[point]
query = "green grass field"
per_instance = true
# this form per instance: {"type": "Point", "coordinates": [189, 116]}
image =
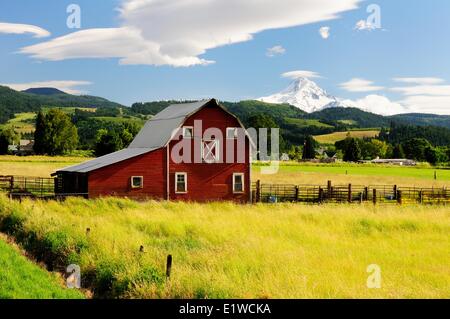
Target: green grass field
{"type": "Point", "coordinates": [288, 173]}
{"type": "Point", "coordinates": [22, 123]}
{"type": "Point", "coordinates": [222, 250]}
{"type": "Point", "coordinates": [339, 136]}
{"type": "Point", "coordinates": [22, 279]}
{"type": "Point", "coordinates": [357, 174]}
{"type": "Point", "coordinates": [307, 122]}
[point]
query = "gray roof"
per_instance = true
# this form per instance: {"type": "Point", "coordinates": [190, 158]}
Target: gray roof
{"type": "Point", "coordinates": [107, 160]}
{"type": "Point", "coordinates": [158, 131]}
{"type": "Point", "coordinates": [155, 134]}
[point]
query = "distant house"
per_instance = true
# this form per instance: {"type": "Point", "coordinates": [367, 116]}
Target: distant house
{"type": "Point", "coordinates": [25, 147]}
{"type": "Point", "coordinates": [218, 168]}
{"type": "Point", "coordinates": [400, 162]}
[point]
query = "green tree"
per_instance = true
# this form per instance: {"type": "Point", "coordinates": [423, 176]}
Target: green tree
{"type": "Point", "coordinates": [398, 152]}
{"type": "Point", "coordinates": [39, 134]}
{"type": "Point", "coordinates": [415, 149]}
{"type": "Point", "coordinates": [309, 151]}
{"type": "Point", "coordinates": [107, 143]}
{"type": "Point", "coordinates": [352, 153]}
{"type": "Point", "coordinates": [55, 133]}
{"type": "Point", "coordinates": [7, 137]}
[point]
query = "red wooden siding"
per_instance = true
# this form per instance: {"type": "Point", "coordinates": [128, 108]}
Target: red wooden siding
{"type": "Point", "coordinates": [115, 180]}
{"type": "Point", "coordinates": [208, 182]}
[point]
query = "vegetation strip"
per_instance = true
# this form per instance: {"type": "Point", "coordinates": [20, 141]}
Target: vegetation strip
{"type": "Point", "coordinates": [22, 279]}
{"type": "Point", "coordinates": [222, 250]}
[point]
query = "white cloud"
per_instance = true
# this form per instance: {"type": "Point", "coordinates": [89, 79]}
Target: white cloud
{"type": "Point", "coordinates": [362, 25]}
{"type": "Point", "coordinates": [178, 32]}
{"type": "Point", "coordinates": [301, 74]}
{"type": "Point", "coordinates": [421, 81]}
{"type": "Point", "coordinates": [15, 28]}
{"type": "Point", "coordinates": [276, 50]}
{"type": "Point", "coordinates": [428, 104]}
{"type": "Point", "coordinates": [433, 90]}
{"type": "Point", "coordinates": [377, 104]}
{"type": "Point", "coordinates": [65, 86]}
{"type": "Point", "coordinates": [360, 85]}
{"type": "Point", "coordinates": [424, 94]}
{"type": "Point", "coordinates": [324, 32]}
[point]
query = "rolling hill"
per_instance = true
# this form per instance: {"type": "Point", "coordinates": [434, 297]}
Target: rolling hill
{"type": "Point", "coordinates": [12, 102]}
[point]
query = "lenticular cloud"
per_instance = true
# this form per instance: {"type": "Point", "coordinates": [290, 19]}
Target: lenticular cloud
{"type": "Point", "coordinates": [179, 32]}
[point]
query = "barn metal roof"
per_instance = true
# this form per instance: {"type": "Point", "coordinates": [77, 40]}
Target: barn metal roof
{"type": "Point", "coordinates": [158, 131]}
{"type": "Point", "coordinates": [106, 160]}
{"type": "Point", "coordinates": [155, 134]}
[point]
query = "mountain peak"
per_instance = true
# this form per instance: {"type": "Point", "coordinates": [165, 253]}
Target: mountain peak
{"type": "Point", "coordinates": [304, 94]}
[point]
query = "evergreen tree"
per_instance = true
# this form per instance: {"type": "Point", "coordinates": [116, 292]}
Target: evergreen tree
{"type": "Point", "coordinates": [399, 153]}
{"type": "Point", "coordinates": [39, 134]}
{"type": "Point", "coordinates": [352, 153]}
{"type": "Point", "coordinates": [309, 151]}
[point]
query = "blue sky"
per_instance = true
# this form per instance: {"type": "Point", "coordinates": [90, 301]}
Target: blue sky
{"type": "Point", "coordinates": [405, 61]}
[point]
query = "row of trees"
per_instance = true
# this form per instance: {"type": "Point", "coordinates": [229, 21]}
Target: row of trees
{"type": "Point", "coordinates": [418, 149]}
{"type": "Point", "coordinates": [56, 135]}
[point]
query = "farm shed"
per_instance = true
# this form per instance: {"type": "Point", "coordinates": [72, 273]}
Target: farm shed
{"type": "Point", "coordinates": [147, 169]}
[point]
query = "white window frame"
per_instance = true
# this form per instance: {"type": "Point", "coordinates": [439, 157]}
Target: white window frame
{"type": "Point", "coordinates": [234, 183]}
{"type": "Point", "coordinates": [185, 183]}
{"type": "Point", "coordinates": [235, 135]}
{"type": "Point", "coordinates": [185, 128]}
{"type": "Point", "coordinates": [142, 182]}
{"type": "Point", "coordinates": [217, 147]}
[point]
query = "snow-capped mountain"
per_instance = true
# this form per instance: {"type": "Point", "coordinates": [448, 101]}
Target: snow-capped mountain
{"type": "Point", "coordinates": [309, 97]}
{"type": "Point", "coordinates": [304, 94]}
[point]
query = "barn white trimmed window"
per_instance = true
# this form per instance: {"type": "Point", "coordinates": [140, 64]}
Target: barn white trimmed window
{"type": "Point", "coordinates": [188, 132]}
{"type": "Point", "coordinates": [210, 151]}
{"type": "Point", "coordinates": [137, 182]}
{"type": "Point", "coordinates": [238, 183]}
{"type": "Point", "coordinates": [180, 183]}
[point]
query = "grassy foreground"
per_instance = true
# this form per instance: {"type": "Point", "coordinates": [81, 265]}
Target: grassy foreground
{"type": "Point", "coordinates": [221, 250]}
{"type": "Point", "coordinates": [21, 279]}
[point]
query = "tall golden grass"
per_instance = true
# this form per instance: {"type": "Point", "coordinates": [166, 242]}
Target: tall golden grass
{"type": "Point", "coordinates": [223, 250]}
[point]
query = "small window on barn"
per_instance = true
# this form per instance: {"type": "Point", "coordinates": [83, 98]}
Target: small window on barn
{"type": "Point", "coordinates": [232, 133]}
{"type": "Point", "coordinates": [188, 132]}
{"type": "Point", "coordinates": [180, 183]}
{"type": "Point", "coordinates": [238, 183]}
{"type": "Point", "coordinates": [137, 182]}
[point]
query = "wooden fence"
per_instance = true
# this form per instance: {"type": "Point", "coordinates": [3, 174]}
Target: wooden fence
{"type": "Point", "coordinates": [34, 187]}
{"type": "Point", "coordinates": [377, 194]}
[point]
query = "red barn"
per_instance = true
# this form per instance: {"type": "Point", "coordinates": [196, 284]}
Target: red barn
{"type": "Point", "coordinates": [191, 152]}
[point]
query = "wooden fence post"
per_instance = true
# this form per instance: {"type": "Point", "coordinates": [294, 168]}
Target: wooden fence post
{"type": "Point", "coordinates": [350, 198]}
{"type": "Point", "coordinates": [258, 191]}
{"type": "Point", "coordinates": [420, 197]}
{"type": "Point", "coordinates": [329, 189]}
{"type": "Point", "coordinates": [297, 193]}
{"type": "Point", "coordinates": [395, 192]}
{"type": "Point", "coordinates": [320, 194]}
{"type": "Point", "coordinates": [169, 266]}
{"type": "Point", "coordinates": [399, 197]}
{"type": "Point", "coordinates": [374, 197]}
{"type": "Point", "coordinates": [366, 193]}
